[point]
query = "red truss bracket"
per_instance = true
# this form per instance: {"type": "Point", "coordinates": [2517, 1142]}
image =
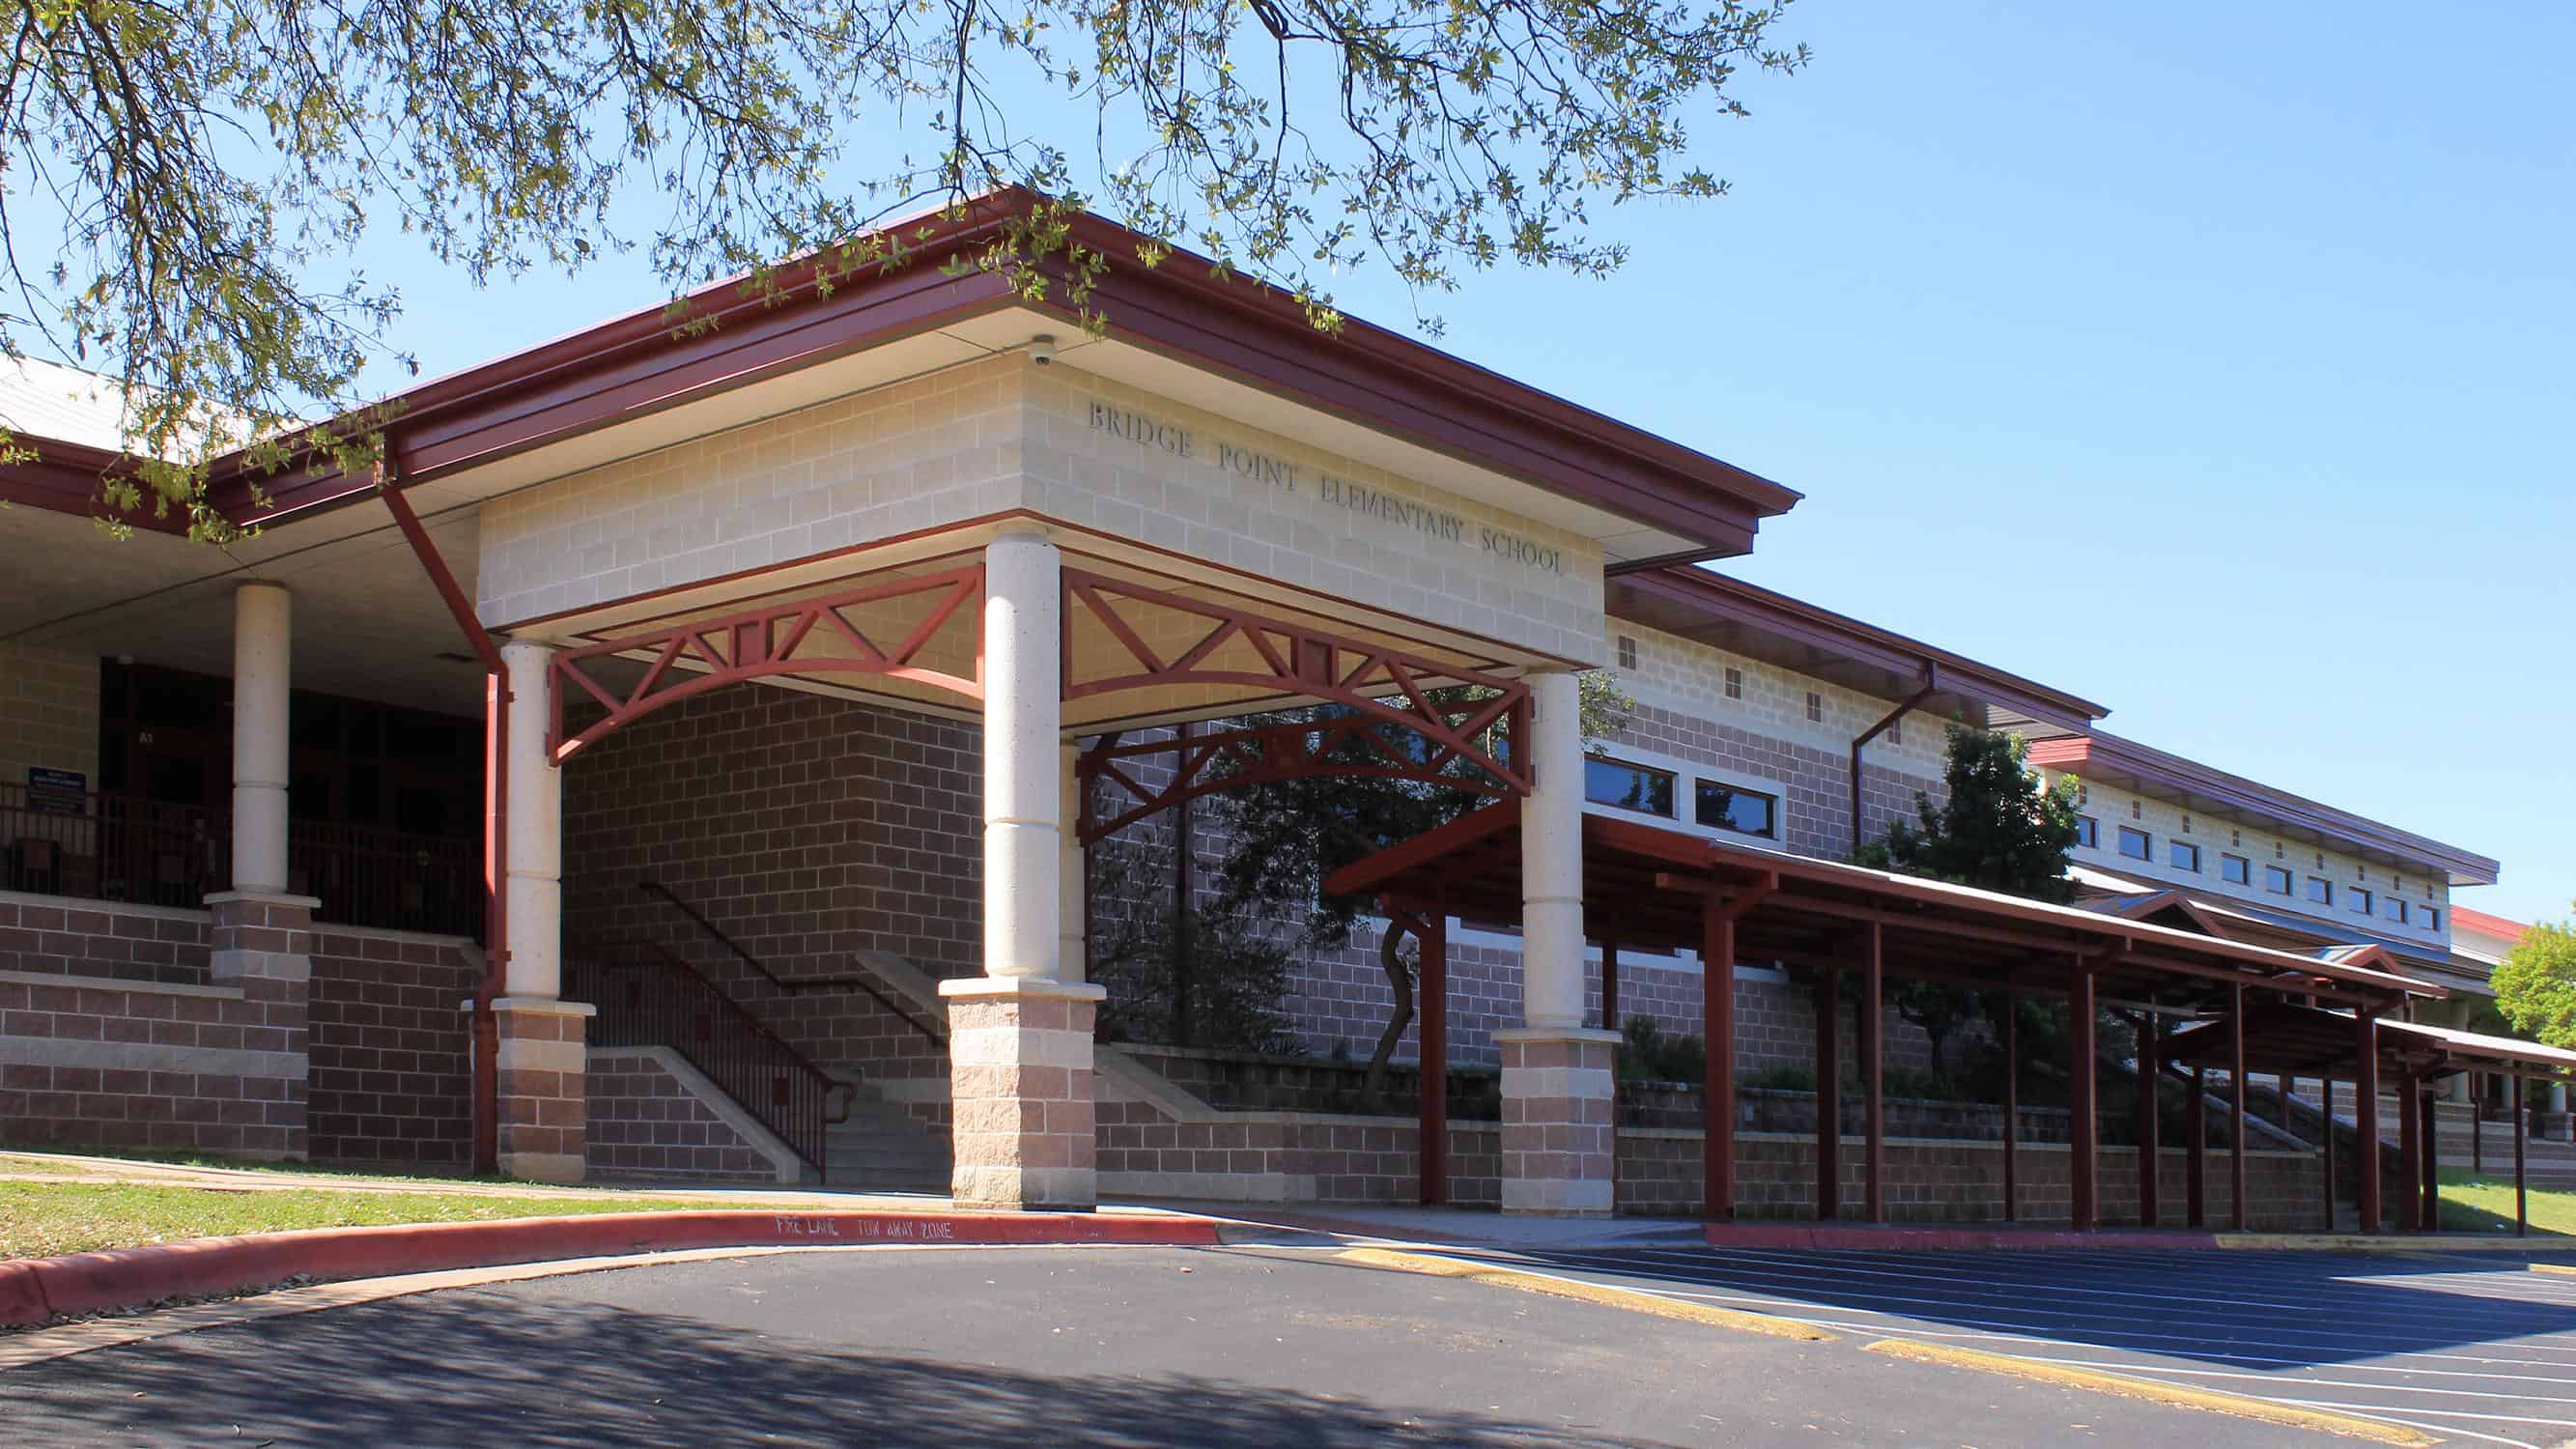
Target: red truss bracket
{"type": "Point", "coordinates": [809, 636]}
{"type": "Point", "coordinates": [1347, 747]}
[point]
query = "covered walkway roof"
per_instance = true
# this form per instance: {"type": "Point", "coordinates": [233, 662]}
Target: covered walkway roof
{"type": "Point", "coordinates": [2285, 1037]}
{"type": "Point", "coordinates": [1648, 886]}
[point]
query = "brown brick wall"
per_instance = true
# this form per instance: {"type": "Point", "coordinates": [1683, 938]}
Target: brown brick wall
{"type": "Point", "coordinates": [645, 1125]}
{"type": "Point", "coordinates": [107, 1105]}
{"type": "Point", "coordinates": [103, 938]}
{"type": "Point", "coordinates": [391, 1050]}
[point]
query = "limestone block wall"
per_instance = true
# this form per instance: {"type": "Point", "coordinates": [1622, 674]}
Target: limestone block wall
{"type": "Point", "coordinates": [90, 1061]}
{"type": "Point", "coordinates": [392, 1052]}
{"type": "Point", "coordinates": [56, 936]}
{"type": "Point", "coordinates": [646, 1124]}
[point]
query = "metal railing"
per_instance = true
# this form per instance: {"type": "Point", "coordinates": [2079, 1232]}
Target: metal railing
{"type": "Point", "coordinates": [113, 847]}
{"type": "Point", "coordinates": [648, 996]}
{"type": "Point", "coordinates": [791, 985]}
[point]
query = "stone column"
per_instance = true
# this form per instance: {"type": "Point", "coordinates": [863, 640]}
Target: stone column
{"type": "Point", "coordinates": [543, 1124]}
{"type": "Point", "coordinates": [1019, 1038]}
{"type": "Point", "coordinates": [1558, 1097]}
{"type": "Point", "coordinates": [263, 936]}
{"type": "Point", "coordinates": [261, 659]}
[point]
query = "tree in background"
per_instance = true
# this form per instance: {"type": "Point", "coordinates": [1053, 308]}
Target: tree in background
{"type": "Point", "coordinates": [1282, 838]}
{"type": "Point", "coordinates": [2535, 984]}
{"type": "Point", "coordinates": [2001, 829]}
{"type": "Point", "coordinates": [188, 179]}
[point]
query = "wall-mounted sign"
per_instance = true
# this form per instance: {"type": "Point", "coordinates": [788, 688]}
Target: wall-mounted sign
{"type": "Point", "coordinates": [57, 792]}
{"type": "Point", "coordinates": [1328, 491]}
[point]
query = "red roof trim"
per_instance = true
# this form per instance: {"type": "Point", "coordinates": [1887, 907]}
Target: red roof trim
{"type": "Point", "coordinates": [1185, 307]}
{"type": "Point", "coordinates": [2463, 918]}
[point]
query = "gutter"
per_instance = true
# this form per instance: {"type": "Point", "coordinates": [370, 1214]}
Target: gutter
{"type": "Point", "coordinates": [496, 838]}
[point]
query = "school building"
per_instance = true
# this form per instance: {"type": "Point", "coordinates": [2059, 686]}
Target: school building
{"type": "Point", "coordinates": [681, 760]}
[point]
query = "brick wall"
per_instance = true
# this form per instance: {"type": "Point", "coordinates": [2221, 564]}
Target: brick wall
{"type": "Point", "coordinates": [645, 1124]}
{"type": "Point", "coordinates": [48, 712]}
{"type": "Point", "coordinates": [392, 1053]}
{"type": "Point", "coordinates": [96, 1062]}
{"type": "Point", "coordinates": [811, 830]}
{"type": "Point", "coordinates": [52, 936]}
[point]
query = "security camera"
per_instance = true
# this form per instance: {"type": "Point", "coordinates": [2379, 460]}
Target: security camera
{"type": "Point", "coordinates": [1042, 350]}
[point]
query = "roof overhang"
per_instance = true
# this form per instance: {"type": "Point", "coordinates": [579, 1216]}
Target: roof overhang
{"type": "Point", "coordinates": [2109, 760]}
{"type": "Point", "coordinates": [1723, 613]}
{"type": "Point", "coordinates": [2297, 1040]}
{"type": "Point", "coordinates": [1675, 502]}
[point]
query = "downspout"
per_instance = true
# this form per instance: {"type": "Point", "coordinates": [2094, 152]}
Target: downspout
{"type": "Point", "coordinates": [496, 835]}
{"type": "Point", "coordinates": [1931, 684]}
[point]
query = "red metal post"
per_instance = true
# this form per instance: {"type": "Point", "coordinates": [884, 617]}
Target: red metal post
{"type": "Point", "coordinates": [2410, 1158]}
{"type": "Point", "coordinates": [1717, 1024]}
{"type": "Point", "coordinates": [2521, 1184]}
{"type": "Point", "coordinates": [2195, 1182]}
{"type": "Point", "coordinates": [2431, 1134]}
{"type": "Point", "coordinates": [2080, 1100]}
{"type": "Point", "coordinates": [2236, 1088]}
{"type": "Point", "coordinates": [2477, 1126]}
{"type": "Point", "coordinates": [1874, 1064]}
{"type": "Point", "coordinates": [2325, 1153]}
{"type": "Point", "coordinates": [2365, 1119]}
{"type": "Point", "coordinates": [1829, 1093]}
{"type": "Point", "coordinates": [1433, 934]}
{"type": "Point", "coordinates": [2012, 1105]}
{"type": "Point", "coordinates": [2151, 1196]}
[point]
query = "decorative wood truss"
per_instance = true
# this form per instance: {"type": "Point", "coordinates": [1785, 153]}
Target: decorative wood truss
{"type": "Point", "coordinates": [1387, 713]}
{"type": "Point", "coordinates": [809, 636]}
{"type": "Point", "coordinates": [1456, 723]}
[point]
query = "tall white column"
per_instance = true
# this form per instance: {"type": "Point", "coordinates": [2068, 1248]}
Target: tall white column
{"type": "Point", "coordinates": [261, 660]}
{"type": "Point", "coordinates": [1552, 857]}
{"type": "Point", "coordinates": [1023, 760]}
{"type": "Point", "coordinates": [1072, 952]}
{"type": "Point", "coordinates": [536, 831]}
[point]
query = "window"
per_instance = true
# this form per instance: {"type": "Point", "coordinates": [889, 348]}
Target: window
{"type": "Point", "coordinates": [1734, 682]}
{"type": "Point", "coordinates": [1730, 807]}
{"type": "Point", "coordinates": [2186, 825]}
{"type": "Point", "coordinates": [2391, 908]}
{"type": "Point", "coordinates": [2088, 832]}
{"type": "Point", "coordinates": [1896, 732]}
{"type": "Point", "coordinates": [1630, 787]}
{"type": "Point", "coordinates": [2137, 810]}
{"type": "Point", "coordinates": [1628, 651]}
{"type": "Point", "coordinates": [2358, 901]}
{"type": "Point", "coordinates": [2276, 880]}
{"type": "Point", "coordinates": [2432, 918]}
{"type": "Point", "coordinates": [2235, 870]}
{"type": "Point", "coordinates": [2184, 855]}
{"type": "Point", "coordinates": [2321, 890]}
{"type": "Point", "coordinates": [2135, 845]}
{"type": "Point", "coordinates": [1815, 707]}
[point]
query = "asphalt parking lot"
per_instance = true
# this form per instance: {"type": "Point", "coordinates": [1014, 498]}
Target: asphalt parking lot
{"type": "Point", "coordinates": [1099, 1348]}
{"type": "Point", "coordinates": [2466, 1347]}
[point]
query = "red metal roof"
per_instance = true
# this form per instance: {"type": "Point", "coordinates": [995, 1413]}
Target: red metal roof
{"type": "Point", "coordinates": [2465, 919]}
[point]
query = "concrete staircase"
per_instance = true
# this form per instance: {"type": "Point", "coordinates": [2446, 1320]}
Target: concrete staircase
{"type": "Point", "coordinates": [883, 1147]}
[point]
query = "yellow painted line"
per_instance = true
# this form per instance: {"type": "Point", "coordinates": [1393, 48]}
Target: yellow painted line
{"type": "Point", "coordinates": [1555, 1287]}
{"type": "Point", "coordinates": [2178, 1395]}
{"type": "Point", "coordinates": [2561, 1269]}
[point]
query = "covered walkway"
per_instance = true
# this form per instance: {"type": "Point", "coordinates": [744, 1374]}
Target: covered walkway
{"type": "Point", "coordinates": [1646, 887]}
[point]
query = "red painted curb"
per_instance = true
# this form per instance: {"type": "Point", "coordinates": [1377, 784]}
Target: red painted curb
{"type": "Point", "coordinates": [35, 1289]}
{"type": "Point", "coordinates": [1807, 1235]}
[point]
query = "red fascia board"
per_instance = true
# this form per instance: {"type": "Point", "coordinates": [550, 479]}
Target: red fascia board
{"type": "Point", "coordinates": [1185, 307]}
{"type": "Point", "coordinates": [2075, 752]}
{"type": "Point", "coordinates": [2463, 918]}
{"type": "Point", "coordinates": [64, 477]}
{"type": "Point", "coordinates": [1840, 636]}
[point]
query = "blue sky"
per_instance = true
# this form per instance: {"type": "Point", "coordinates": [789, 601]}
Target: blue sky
{"type": "Point", "coordinates": [2217, 363]}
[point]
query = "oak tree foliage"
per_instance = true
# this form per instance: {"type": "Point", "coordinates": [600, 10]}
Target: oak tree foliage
{"type": "Point", "coordinates": [185, 180]}
{"type": "Point", "coordinates": [2535, 984]}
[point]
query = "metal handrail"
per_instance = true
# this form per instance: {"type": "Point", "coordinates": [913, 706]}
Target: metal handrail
{"type": "Point", "coordinates": [794, 985]}
{"type": "Point", "coordinates": [668, 1002]}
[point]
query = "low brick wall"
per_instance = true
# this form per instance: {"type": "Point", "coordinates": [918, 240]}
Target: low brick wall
{"type": "Point", "coordinates": [647, 1125]}
{"type": "Point", "coordinates": [90, 1061]}
{"type": "Point", "coordinates": [52, 936]}
{"type": "Point", "coordinates": [392, 1050]}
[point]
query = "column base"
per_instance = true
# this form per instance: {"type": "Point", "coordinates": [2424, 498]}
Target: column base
{"type": "Point", "coordinates": [1560, 1128]}
{"type": "Point", "coordinates": [543, 1123]}
{"type": "Point", "coordinates": [263, 943]}
{"type": "Point", "coordinates": [1020, 1082]}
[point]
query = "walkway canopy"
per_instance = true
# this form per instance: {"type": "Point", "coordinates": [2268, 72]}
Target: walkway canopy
{"type": "Point", "coordinates": [1646, 886]}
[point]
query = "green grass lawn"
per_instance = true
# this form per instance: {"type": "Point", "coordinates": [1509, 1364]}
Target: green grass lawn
{"type": "Point", "coordinates": [2485, 1205]}
{"type": "Point", "coordinates": [41, 1219]}
{"type": "Point", "coordinates": [15, 1158]}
